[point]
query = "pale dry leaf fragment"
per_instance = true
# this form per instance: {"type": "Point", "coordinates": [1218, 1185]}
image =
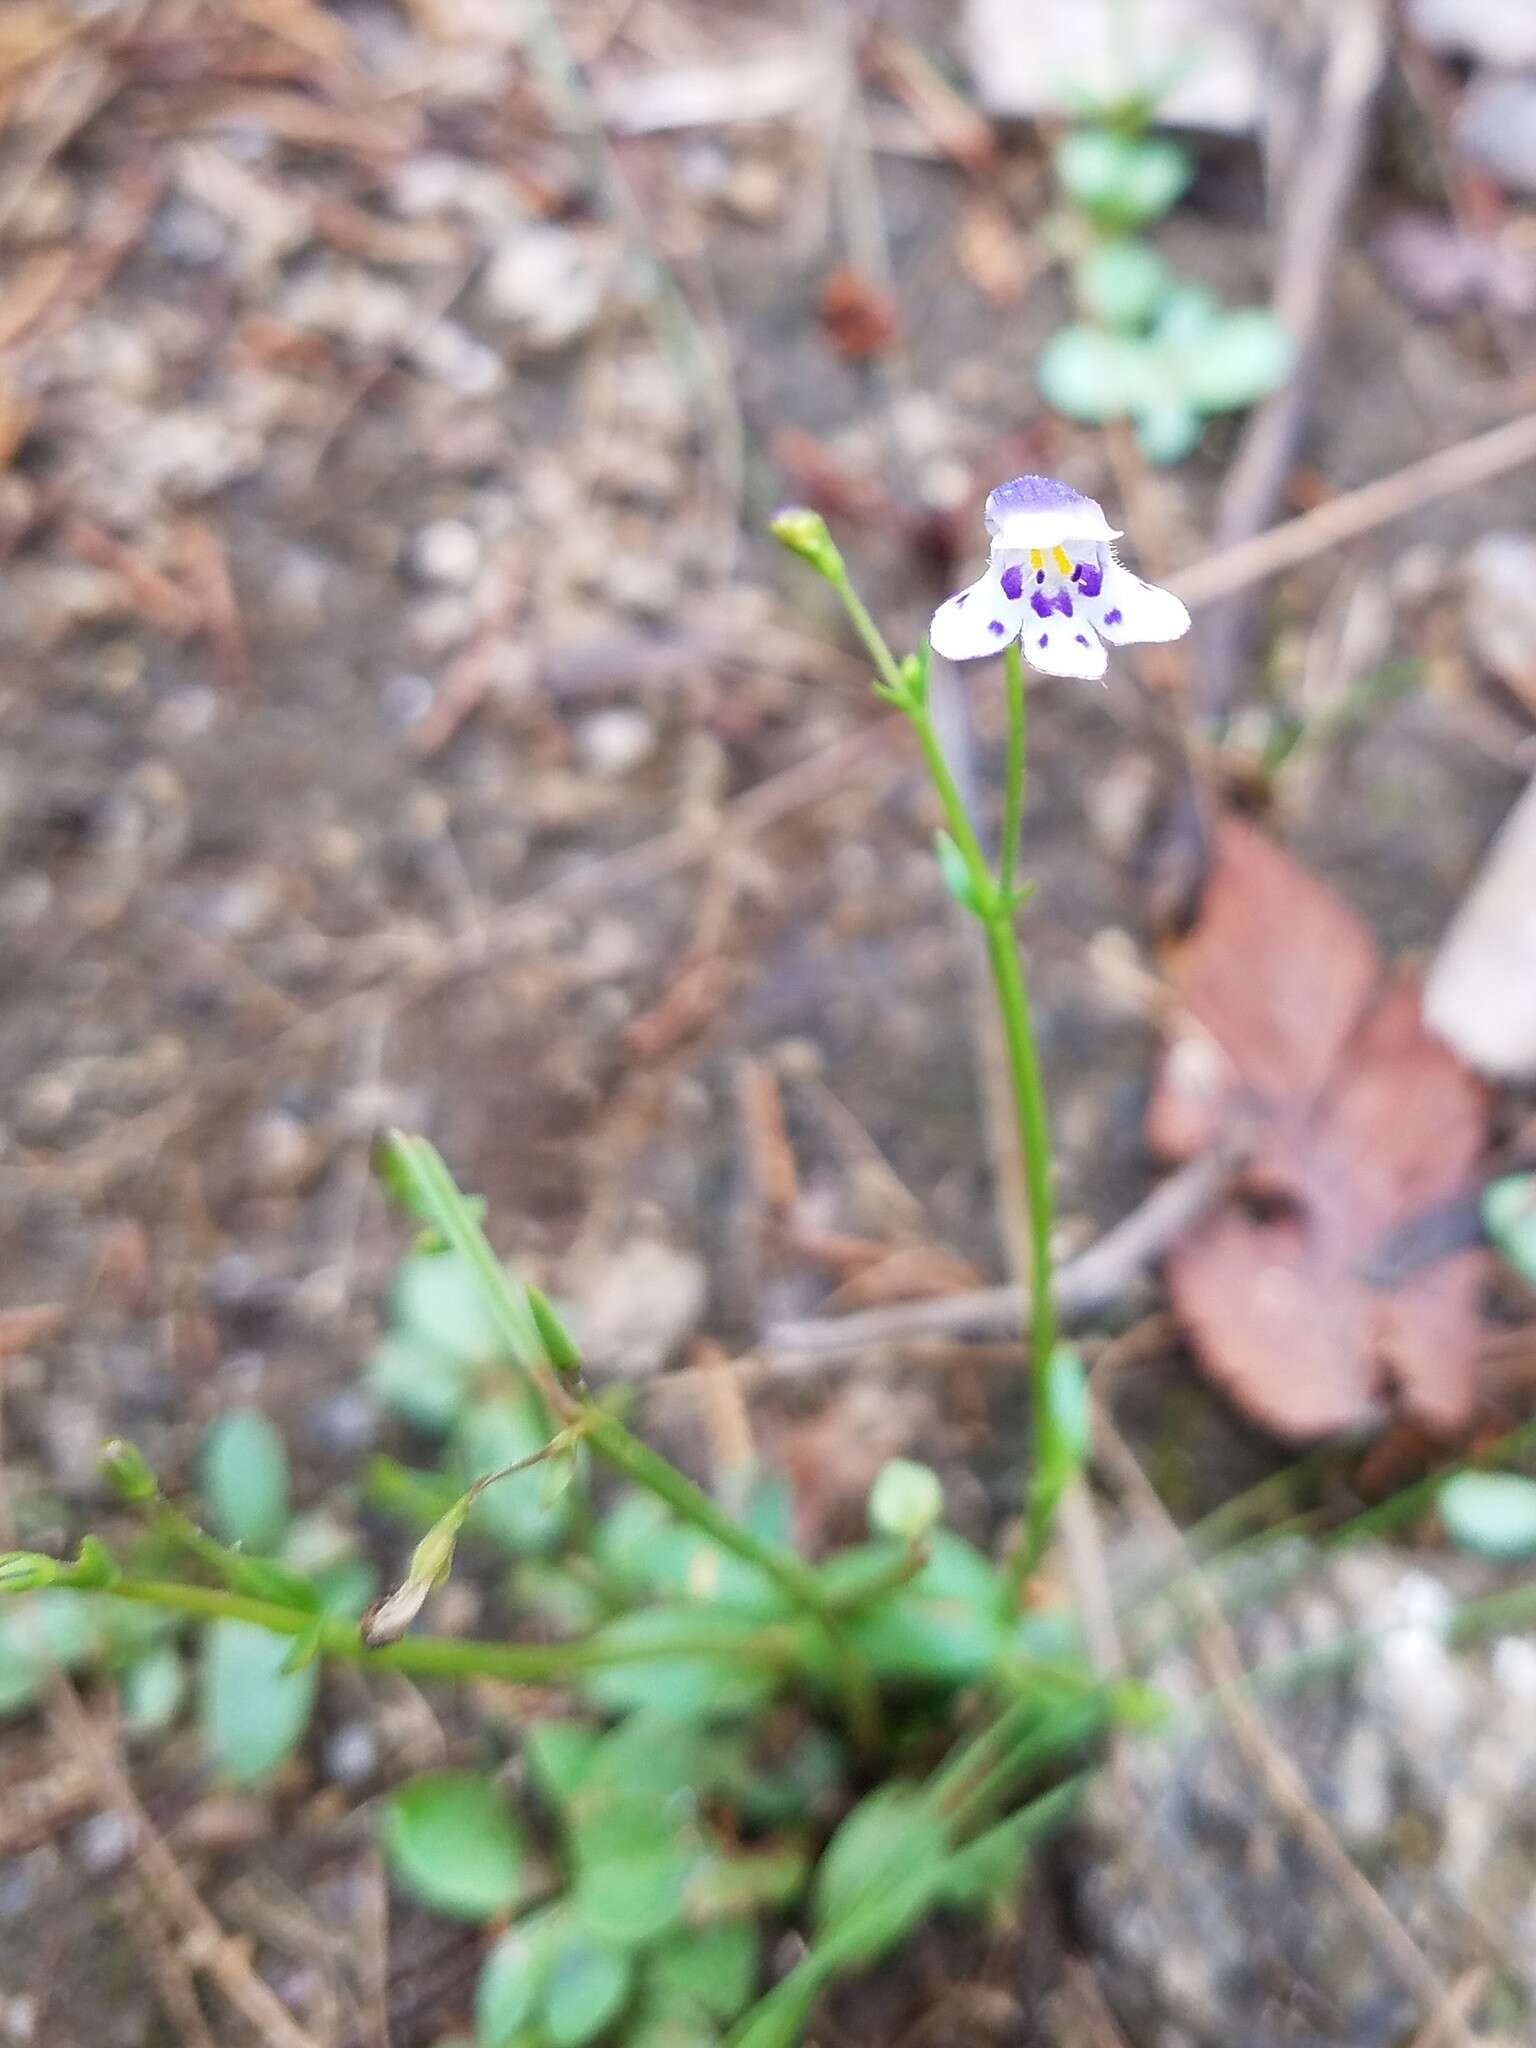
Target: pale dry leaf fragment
{"type": "Point", "coordinates": [1481, 993]}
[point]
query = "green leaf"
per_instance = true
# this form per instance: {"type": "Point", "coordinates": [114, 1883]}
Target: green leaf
{"type": "Point", "coordinates": [152, 1689]}
{"type": "Point", "coordinates": [1166, 434]}
{"type": "Point", "coordinates": [942, 1627]}
{"type": "Point", "coordinates": [559, 1756]}
{"type": "Point", "coordinates": [512, 1981]}
{"type": "Point", "coordinates": [1122, 182]}
{"type": "Point", "coordinates": [586, 1986]}
{"type": "Point", "coordinates": [890, 1834]}
{"type": "Point", "coordinates": [1123, 283]}
{"type": "Point", "coordinates": [906, 1500]}
{"type": "Point", "coordinates": [627, 1536]}
{"type": "Point", "coordinates": [957, 876]}
{"type": "Point", "coordinates": [682, 1564]}
{"type": "Point", "coordinates": [1088, 374]}
{"type": "Point", "coordinates": [245, 1480]}
{"type": "Point", "coordinates": [711, 1676]}
{"type": "Point", "coordinates": [676, 2029]}
{"type": "Point", "coordinates": [714, 1968]}
{"type": "Point", "coordinates": [1493, 1513]}
{"type": "Point", "coordinates": [439, 1300]}
{"type": "Point", "coordinates": [560, 1347]}
{"type": "Point", "coordinates": [254, 1713]}
{"type": "Point", "coordinates": [741, 1886]}
{"type": "Point", "coordinates": [769, 1508]}
{"type": "Point", "coordinates": [453, 1845]}
{"type": "Point", "coordinates": [39, 1633]}
{"type": "Point", "coordinates": [1509, 1213]}
{"type": "Point", "coordinates": [629, 1867]}
{"type": "Point", "coordinates": [428, 1386]}
{"type": "Point", "coordinates": [1240, 358]}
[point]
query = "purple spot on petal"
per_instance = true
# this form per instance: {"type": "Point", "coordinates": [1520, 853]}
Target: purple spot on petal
{"type": "Point", "coordinates": [1089, 578]}
{"type": "Point", "coordinates": [1082, 639]}
{"type": "Point", "coordinates": [996, 626]}
{"type": "Point", "coordinates": [1113, 618]}
{"type": "Point", "coordinates": [960, 600]}
{"type": "Point", "coordinates": [1039, 575]}
{"type": "Point", "coordinates": [1045, 639]}
{"type": "Point", "coordinates": [1064, 604]}
{"type": "Point", "coordinates": [1012, 580]}
{"type": "Point", "coordinates": [1040, 604]}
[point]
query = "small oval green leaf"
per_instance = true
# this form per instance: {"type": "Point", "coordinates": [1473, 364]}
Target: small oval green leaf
{"type": "Point", "coordinates": [245, 1479]}
{"type": "Point", "coordinates": [1509, 1212]}
{"type": "Point", "coordinates": [254, 1713]}
{"type": "Point", "coordinates": [1493, 1513]}
{"type": "Point", "coordinates": [452, 1844]}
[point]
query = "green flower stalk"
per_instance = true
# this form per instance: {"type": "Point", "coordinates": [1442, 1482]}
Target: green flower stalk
{"type": "Point", "coordinates": [1053, 595]}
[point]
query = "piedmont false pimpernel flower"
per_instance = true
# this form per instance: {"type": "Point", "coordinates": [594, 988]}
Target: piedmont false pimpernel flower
{"type": "Point", "coordinates": [1053, 584]}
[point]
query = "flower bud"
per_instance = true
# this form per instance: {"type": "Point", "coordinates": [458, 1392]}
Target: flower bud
{"type": "Point", "coordinates": [560, 1347]}
{"type": "Point", "coordinates": [805, 534]}
{"type": "Point", "coordinates": [23, 1571]}
{"type": "Point", "coordinates": [126, 1470]}
{"type": "Point", "coordinates": [906, 1501]}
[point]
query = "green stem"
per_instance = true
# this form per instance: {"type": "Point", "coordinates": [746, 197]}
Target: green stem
{"type": "Point", "coordinates": [1035, 1148]}
{"type": "Point", "coordinates": [430, 1656]}
{"type": "Point", "coordinates": [994, 904]}
{"type": "Point", "coordinates": [1033, 1124]}
{"type": "Point", "coordinates": [1013, 787]}
{"type": "Point", "coordinates": [618, 1446]}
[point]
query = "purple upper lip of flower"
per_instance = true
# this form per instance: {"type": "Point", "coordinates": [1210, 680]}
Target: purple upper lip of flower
{"type": "Point", "coordinates": [1054, 507]}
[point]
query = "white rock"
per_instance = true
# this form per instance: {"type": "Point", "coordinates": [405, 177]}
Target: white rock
{"type": "Point", "coordinates": [447, 551]}
{"type": "Point", "coordinates": [640, 1305]}
{"type": "Point", "coordinates": [1501, 607]}
{"type": "Point", "coordinates": [1495, 126]}
{"type": "Point", "coordinates": [611, 743]}
{"type": "Point", "coordinates": [549, 282]}
{"type": "Point", "coordinates": [1501, 32]}
{"type": "Point", "coordinates": [1047, 56]}
{"type": "Point", "coordinates": [1481, 993]}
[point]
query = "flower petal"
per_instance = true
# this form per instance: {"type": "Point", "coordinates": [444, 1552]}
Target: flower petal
{"type": "Point", "coordinates": [981, 620]}
{"type": "Point", "coordinates": [1127, 610]}
{"type": "Point", "coordinates": [1042, 512]}
{"type": "Point", "coordinates": [1065, 647]}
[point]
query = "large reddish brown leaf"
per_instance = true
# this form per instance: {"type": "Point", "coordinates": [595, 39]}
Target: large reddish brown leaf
{"type": "Point", "coordinates": [1360, 1121]}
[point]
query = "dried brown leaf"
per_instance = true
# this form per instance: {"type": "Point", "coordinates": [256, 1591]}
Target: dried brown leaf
{"type": "Point", "coordinates": [1363, 1120]}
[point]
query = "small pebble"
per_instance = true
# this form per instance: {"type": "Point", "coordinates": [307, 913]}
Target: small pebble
{"type": "Point", "coordinates": [613, 743]}
{"type": "Point", "coordinates": [351, 1754]}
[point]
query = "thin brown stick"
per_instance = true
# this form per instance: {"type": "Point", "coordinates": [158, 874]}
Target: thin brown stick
{"type": "Point", "coordinates": [1348, 517]}
{"type": "Point", "coordinates": [1096, 1279]}
{"type": "Point", "coordinates": [1322, 185]}
{"type": "Point", "coordinates": [1281, 1780]}
{"type": "Point", "coordinates": [206, 1945]}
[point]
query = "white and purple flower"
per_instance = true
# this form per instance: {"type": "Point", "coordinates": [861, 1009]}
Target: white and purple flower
{"type": "Point", "coordinates": [1053, 584]}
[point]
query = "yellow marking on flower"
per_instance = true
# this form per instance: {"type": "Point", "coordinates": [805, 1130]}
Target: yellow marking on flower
{"type": "Point", "coordinates": [1036, 559]}
{"type": "Point", "coordinates": [1063, 561]}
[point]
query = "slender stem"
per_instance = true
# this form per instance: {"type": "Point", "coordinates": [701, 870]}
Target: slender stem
{"type": "Point", "coordinates": [1033, 1123]}
{"type": "Point", "coordinates": [436, 1656]}
{"type": "Point", "coordinates": [875, 644]}
{"type": "Point", "coordinates": [1013, 788]}
{"type": "Point", "coordinates": [1035, 1145]}
{"type": "Point", "coordinates": [617, 1445]}
{"type": "Point", "coordinates": [992, 902]}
